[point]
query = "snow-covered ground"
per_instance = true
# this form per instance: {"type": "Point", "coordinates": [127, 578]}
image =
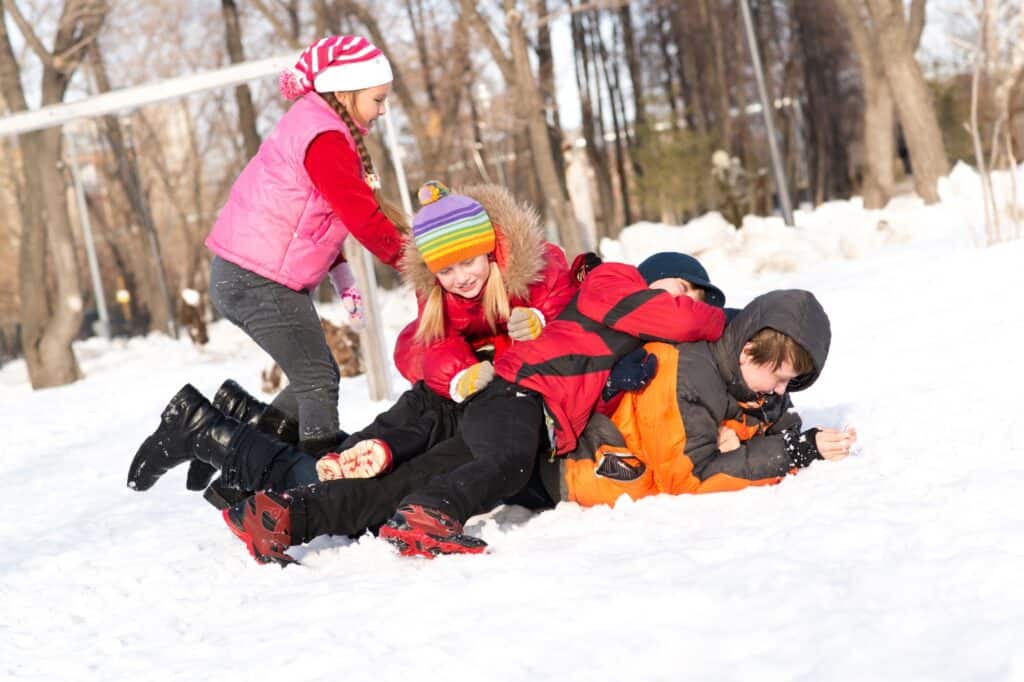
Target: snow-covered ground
{"type": "Point", "coordinates": [902, 562]}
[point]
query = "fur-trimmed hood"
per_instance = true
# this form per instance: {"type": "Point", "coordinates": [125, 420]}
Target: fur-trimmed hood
{"type": "Point", "coordinates": [519, 248]}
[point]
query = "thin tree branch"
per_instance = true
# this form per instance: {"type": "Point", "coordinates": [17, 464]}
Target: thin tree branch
{"type": "Point", "coordinates": [10, 71]}
{"type": "Point", "coordinates": [915, 23]}
{"type": "Point", "coordinates": [279, 28]}
{"type": "Point", "coordinates": [482, 29]}
{"type": "Point", "coordinates": [31, 39]}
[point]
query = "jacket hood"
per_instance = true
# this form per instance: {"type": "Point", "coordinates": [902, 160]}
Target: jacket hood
{"type": "Point", "coordinates": [519, 248]}
{"type": "Point", "coordinates": [794, 312]}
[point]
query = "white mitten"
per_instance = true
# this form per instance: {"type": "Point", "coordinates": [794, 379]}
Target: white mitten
{"type": "Point", "coordinates": [366, 459]}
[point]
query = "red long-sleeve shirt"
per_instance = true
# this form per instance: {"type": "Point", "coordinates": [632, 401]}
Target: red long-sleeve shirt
{"type": "Point", "coordinates": [336, 171]}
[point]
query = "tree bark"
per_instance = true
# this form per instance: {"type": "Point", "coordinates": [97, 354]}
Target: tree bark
{"type": "Point", "coordinates": [689, 76]}
{"type": "Point", "coordinates": [634, 69]}
{"type": "Point", "coordinates": [910, 93]}
{"type": "Point", "coordinates": [243, 96]}
{"type": "Point", "coordinates": [879, 141]}
{"type": "Point", "coordinates": [591, 125]}
{"type": "Point", "coordinates": [879, 121]}
{"type": "Point", "coordinates": [147, 295]}
{"type": "Point", "coordinates": [546, 78]}
{"type": "Point", "coordinates": [710, 14]}
{"type": "Point", "coordinates": [48, 328]}
{"type": "Point", "coordinates": [520, 78]}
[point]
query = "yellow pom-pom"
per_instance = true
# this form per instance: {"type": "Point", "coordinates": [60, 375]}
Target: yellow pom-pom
{"type": "Point", "coordinates": [431, 191]}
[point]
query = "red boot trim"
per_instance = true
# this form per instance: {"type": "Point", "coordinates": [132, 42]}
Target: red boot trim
{"type": "Point", "coordinates": [418, 542]}
{"type": "Point", "coordinates": [240, 533]}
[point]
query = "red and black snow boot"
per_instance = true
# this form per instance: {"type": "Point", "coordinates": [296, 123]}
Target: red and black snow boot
{"type": "Point", "coordinates": [419, 531]}
{"type": "Point", "coordinates": [263, 523]}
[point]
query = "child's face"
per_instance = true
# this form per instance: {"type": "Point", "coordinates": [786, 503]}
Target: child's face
{"type": "Point", "coordinates": [677, 286]}
{"type": "Point", "coordinates": [366, 106]}
{"type": "Point", "coordinates": [467, 277]}
{"type": "Point", "coordinates": [762, 378]}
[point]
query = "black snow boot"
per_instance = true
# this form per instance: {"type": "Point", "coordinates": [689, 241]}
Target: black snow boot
{"type": "Point", "coordinates": [234, 401]}
{"type": "Point", "coordinates": [190, 428]}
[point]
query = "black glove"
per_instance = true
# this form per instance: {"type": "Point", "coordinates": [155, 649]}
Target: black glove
{"type": "Point", "coordinates": [630, 373]}
{"type": "Point", "coordinates": [801, 448]}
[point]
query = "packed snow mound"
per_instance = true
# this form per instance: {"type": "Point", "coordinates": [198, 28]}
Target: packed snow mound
{"type": "Point", "coordinates": [836, 230]}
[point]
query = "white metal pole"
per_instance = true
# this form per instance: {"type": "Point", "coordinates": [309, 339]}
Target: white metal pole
{"type": "Point", "coordinates": [396, 157]}
{"type": "Point", "coordinates": [129, 99]}
{"type": "Point", "coordinates": [103, 324]}
{"type": "Point", "coordinates": [371, 339]}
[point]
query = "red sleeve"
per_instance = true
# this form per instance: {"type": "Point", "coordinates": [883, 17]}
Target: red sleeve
{"type": "Point", "coordinates": [556, 287]}
{"type": "Point", "coordinates": [617, 296]}
{"type": "Point", "coordinates": [443, 360]}
{"type": "Point", "coordinates": [436, 363]}
{"type": "Point", "coordinates": [334, 167]}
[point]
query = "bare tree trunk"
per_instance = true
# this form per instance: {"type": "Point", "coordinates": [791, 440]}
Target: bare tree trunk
{"type": "Point", "coordinates": [879, 141]}
{"type": "Point", "coordinates": [48, 330]}
{"type": "Point", "coordinates": [689, 75]}
{"type": "Point", "coordinates": [148, 293]}
{"type": "Point", "coordinates": [519, 75]}
{"type": "Point", "coordinates": [592, 130]}
{"type": "Point", "coordinates": [666, 67]}
{"type": "Point", "coordinates": [710, 14]}
{"type": "Point", "coordinates": [243, 96]}
{"type": "Point", "coordinates": [546, 78]}
{"type": "Point", "coordinates": [879, 132]}
{"type": "Point", "coordinates": [913, 101]}
{"type": "Point", "coordinates": [635, 71]}
{"type": "Point", "coordinates": [557, 204]}
{"type": "Point", "coordinates": [619, 127]}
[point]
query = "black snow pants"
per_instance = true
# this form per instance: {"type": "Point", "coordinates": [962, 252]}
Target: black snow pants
{"type": "Point", "coordinates": [503, 427]}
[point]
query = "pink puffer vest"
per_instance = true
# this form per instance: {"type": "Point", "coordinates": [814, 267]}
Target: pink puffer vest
{"type": "Point", "coordinates": [275, 223]}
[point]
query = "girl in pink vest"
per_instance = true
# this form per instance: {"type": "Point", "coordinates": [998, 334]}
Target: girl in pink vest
{"type": "Point", "coordinates": [310, 185]}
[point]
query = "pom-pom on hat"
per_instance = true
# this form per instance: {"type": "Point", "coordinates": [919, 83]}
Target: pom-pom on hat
{"type": "Point", "coordinates": [450, 227]}
{"type": "Point", "coordinates": [683, 266]}
{"type": "Point", "coordinates": [336, 63]}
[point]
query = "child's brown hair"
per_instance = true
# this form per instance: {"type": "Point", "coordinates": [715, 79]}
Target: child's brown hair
{"type": "Point", "coordinates": [771, 347]}
{"type": "Point", "coordinates": [393, 213]}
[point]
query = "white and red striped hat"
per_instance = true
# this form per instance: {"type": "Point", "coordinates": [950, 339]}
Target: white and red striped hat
{"type": "Point", "coordinates": [336, 63]}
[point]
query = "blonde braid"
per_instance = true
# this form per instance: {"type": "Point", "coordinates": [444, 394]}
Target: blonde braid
{"type": "Point", "coordinates": [391, 211]}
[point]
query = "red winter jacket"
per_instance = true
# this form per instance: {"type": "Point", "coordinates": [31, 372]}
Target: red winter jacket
{"type": "Point", "coordinates": [614, 312]}
{"type": "Point", "coordinates": [536, 275]}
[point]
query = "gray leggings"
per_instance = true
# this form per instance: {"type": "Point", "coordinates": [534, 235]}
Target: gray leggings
{"type": "Point", "coordinates": [285, 324]}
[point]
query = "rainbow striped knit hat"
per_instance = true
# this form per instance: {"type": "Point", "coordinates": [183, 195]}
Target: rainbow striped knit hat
{"type": "Point", "coordinates": [450, 227]}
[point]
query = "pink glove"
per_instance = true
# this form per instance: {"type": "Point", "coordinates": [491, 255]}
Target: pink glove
{"type": "Point", "coordinates": [351, 300]}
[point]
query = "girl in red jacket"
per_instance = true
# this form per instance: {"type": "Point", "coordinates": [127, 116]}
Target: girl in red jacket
{"type": "Point", "coordinates": [483, 277]}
